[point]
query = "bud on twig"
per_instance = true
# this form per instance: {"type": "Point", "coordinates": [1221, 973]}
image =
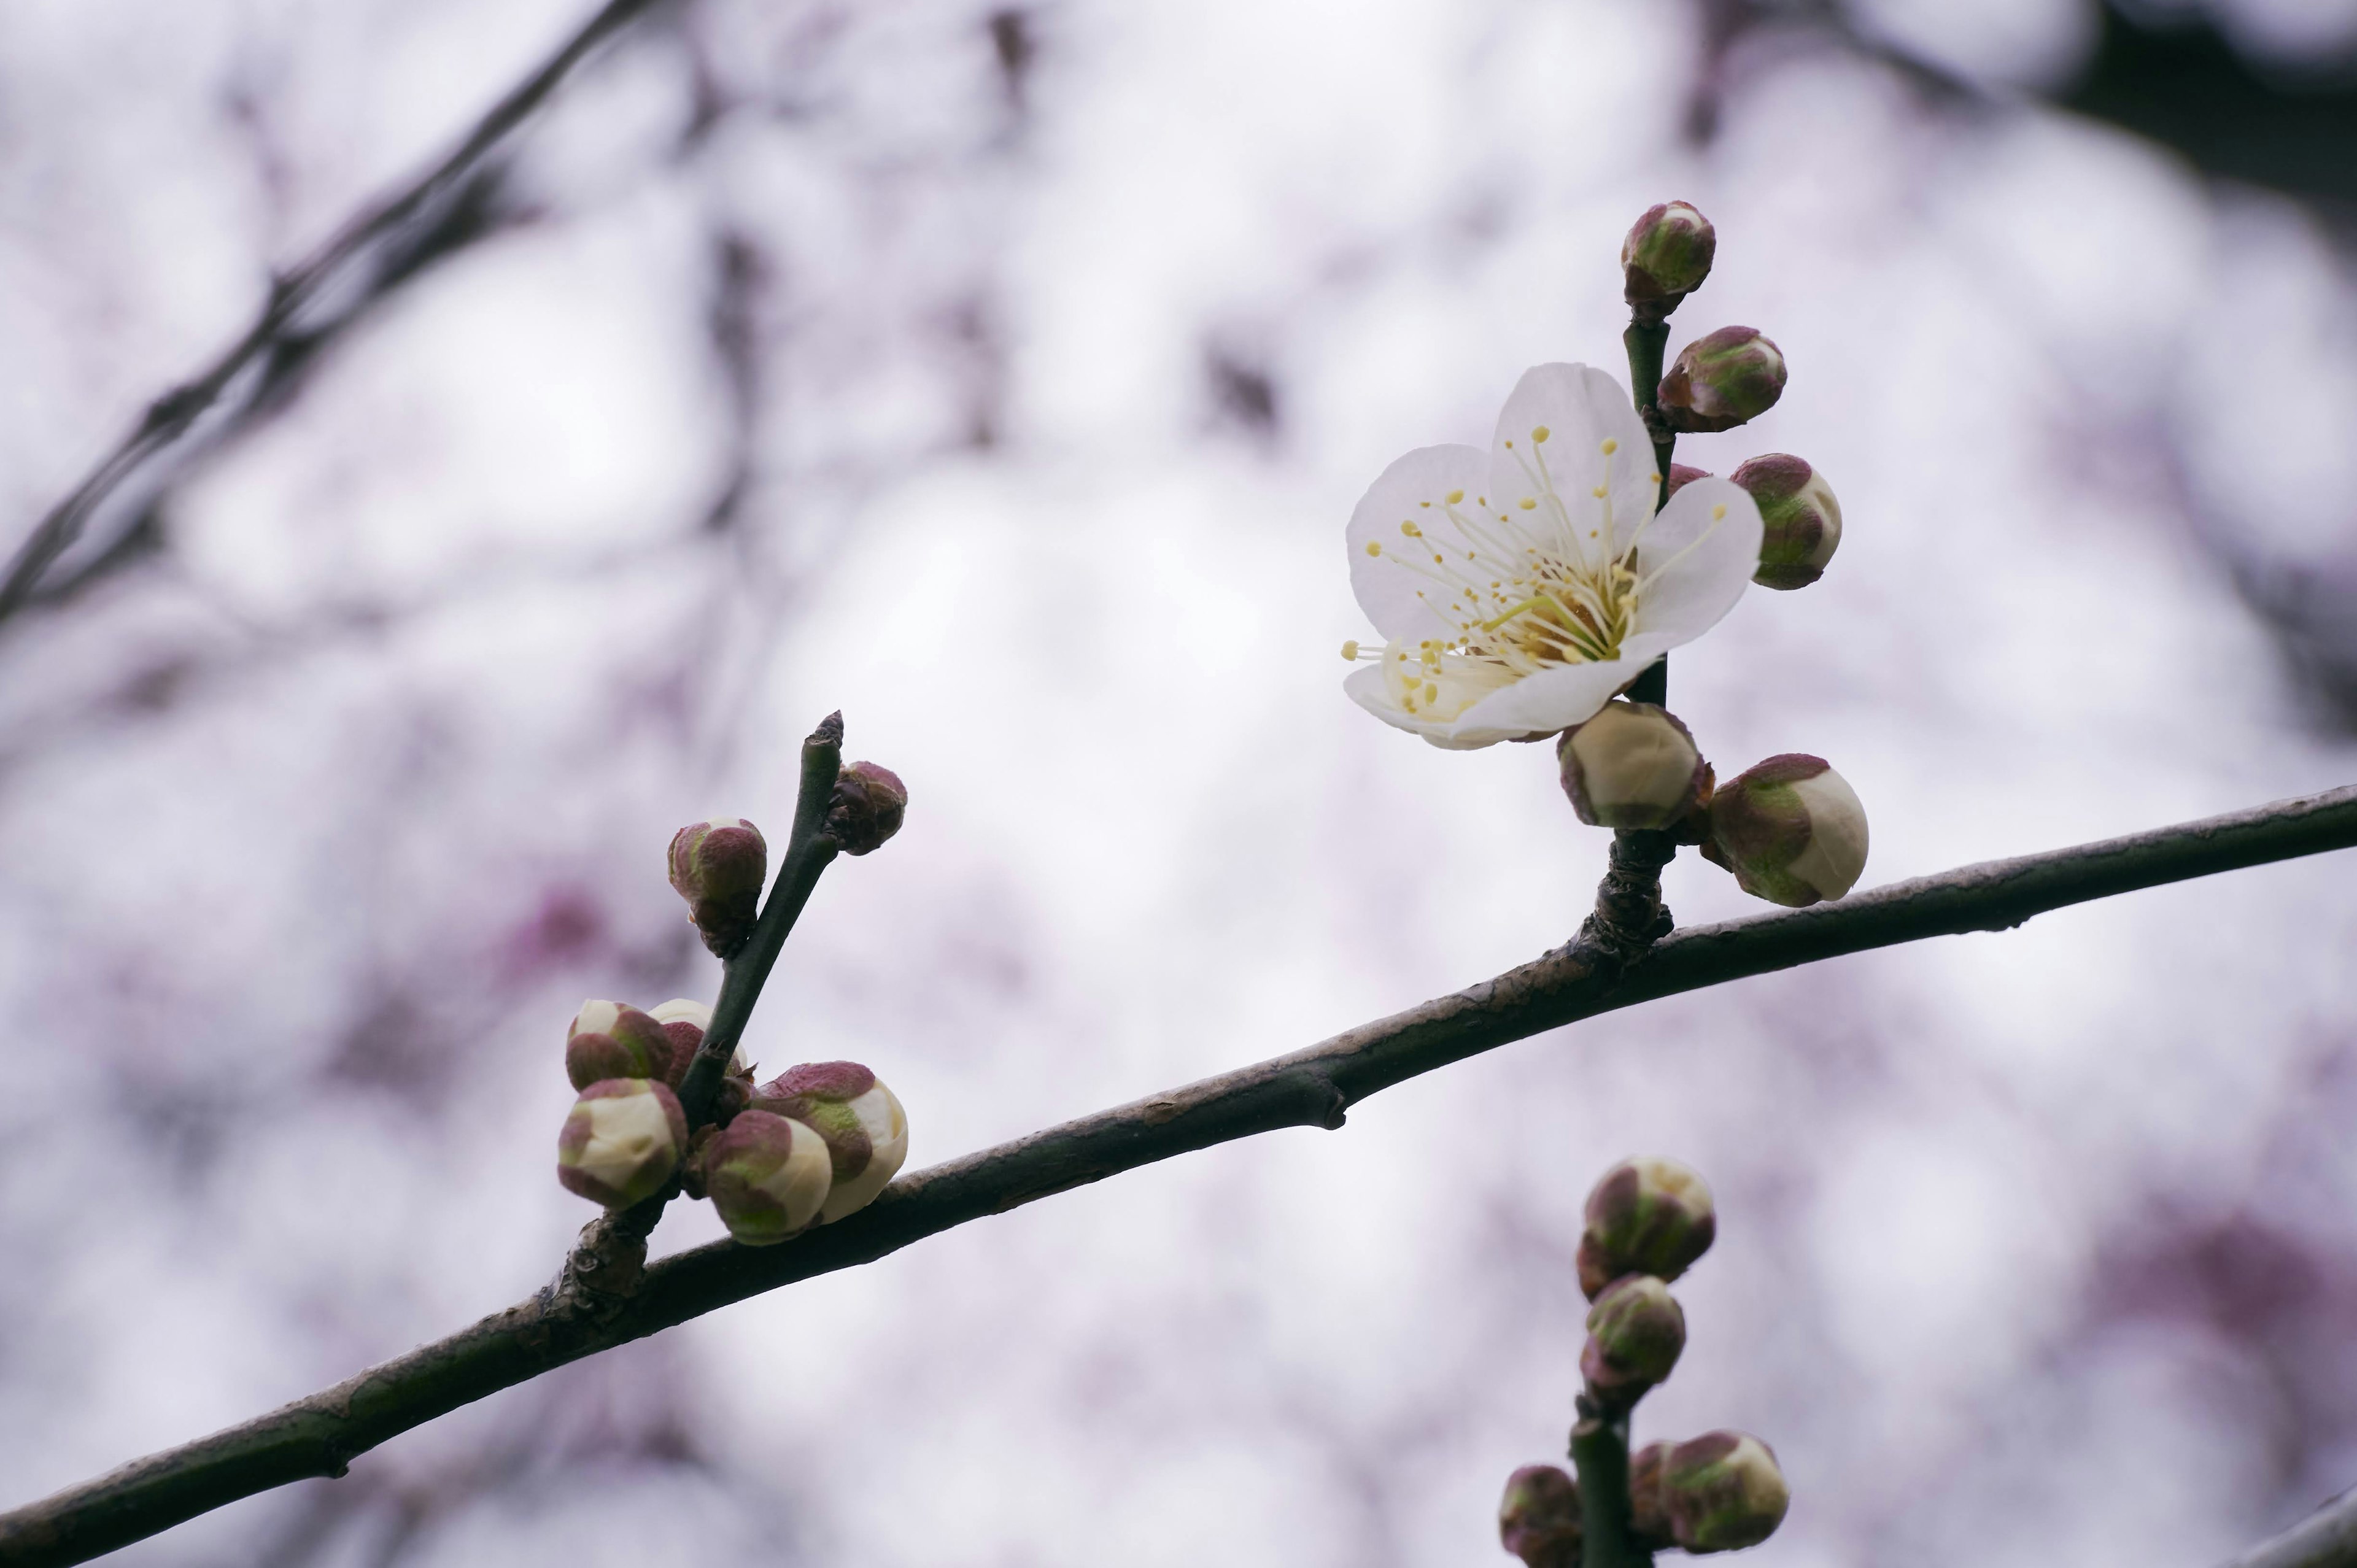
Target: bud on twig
{"type": "Point", "coordinates": [1648, 1502]}
{"type": "Point", "coordinates": [1666, 257]}
{"type": "Point", "coordinates": [1791, 829]}
{"type": "Point", "coordinates": [1723, 1491]}
{"type": "Point", "coordinates": [1631, 766]}
{"type": "Point", "coordinates": [1802, 523]}
{"type": "Point", "coordinates": [718, 867]}
{"type": "Point", "coordinates": [621, 1141]}
{"type": "Point", "coordinates": [1722, 379]}
{"type": "Point", "coordinates": [766, 1176]}
{"type": "Point", "coordinates": [869, 800]}
{"type": "Point", "coordinates": [607, 1039]}
{"type": "Point", "coordinates": [684, 1021]}
{"type": "Point", "coordinates": [1635, 1332]}
{"type": "Point", "coordinates": [1647, 1215]}
{"type": "Point", "coordinates": [866, 1130]}
{"type": "Point", "coordinates": [1538, 1518]}
{"type": "Point", "coordinates": [1681, 475]}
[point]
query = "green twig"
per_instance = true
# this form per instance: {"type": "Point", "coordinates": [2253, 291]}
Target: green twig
{"type": "Point", "coordinates": [1600, 1452]}
{"type": "Point", "coordinates": [318, 1435]}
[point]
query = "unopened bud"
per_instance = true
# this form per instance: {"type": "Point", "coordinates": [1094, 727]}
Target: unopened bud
{"type": "Point", "coordinates": [1791, 829]}
{"type": "Point", "coordinates": [1802, 522]}
{"type": "Point", "coordinates": [1631, 766]}
{"type": "Point", "coordinates": [621, 1141]}
{"type": "Point", "coordinates": [1647, 1215]}
{"type": "Point", "coordinates": [1722, 379]}
{"type": "Point", "coordinates": [1538, 1518]}
{"type": "Point", "coordinates": [1724, 1491]}
{"type": "Point", "coordinates": [866, 1130]}
{"type": "Point", "coordinates": [869, 801]}
{"type": "Point", "coordinates": [767, 1175]}
{"type": "Point", "coordinates": [1635, 1332]}
{"type": "Point", "coordinates": [1666, 257]}
{"type": "Point", "coordinates": [684, 1022]}
{"type": "Point", "coordinates": [1681, 475]}
{"type": "Point", "coordinates": [718, 867]}
{"type": "Point", "coordinates": [1649, 1503]}
{"type": "Point", "coordinates": [607, 1039]}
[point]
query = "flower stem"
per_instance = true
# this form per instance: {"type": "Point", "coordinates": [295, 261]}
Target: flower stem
{"type": "Point", "coordinates": [1600, 1451]}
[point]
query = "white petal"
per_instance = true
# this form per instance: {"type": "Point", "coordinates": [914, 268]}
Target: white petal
{"type": "Point", "coordinates": [1704, 560]}
{"type": "Point", "coordinates": [1562, 696]}
{"type": "Point", "coordinates": [1366, 686]}
{"type": "Point", "coordinates": [1581, 409]}
{"type": "Point", "coordinates": [1405, 603]}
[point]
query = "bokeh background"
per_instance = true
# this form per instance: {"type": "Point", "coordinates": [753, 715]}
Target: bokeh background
{"type": "Point", "coordinates": [1003, 375]}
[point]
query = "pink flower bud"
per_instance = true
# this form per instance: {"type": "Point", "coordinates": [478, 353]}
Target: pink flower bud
{"type": "Point", "coordinates": [1667, 254]}
{"type": "Point", "coordinates": [1680, 475]}
{"type": "Point", "coordinates": [866, 1130]}
{"type": "Point", "coordinates": [1803, 522]}
{"type": "Point", "coordinates": [1722, 379]}
{"type": "Point", "coordinates": [1647, 1215]}
{"type": "Point", "coordinates": [718, 867]}
{"type": "Point", "coordinates": [1631, 766]}
{"type": "Point", "coordinates": [1791, 829]}
{"type": "Point", "coordinates": [869, 801]}
{"type": "Point", "coordinates": [768, 1176]}
{"type": "Point", "coordinates": [621, 1141]}
{"type": "Point", "coordinates": [1636, 1331]}
{"type": "Point", "coordinates": [607, 1039]}
{"type": "Point", "coordinates": [1538, 1518]}
{"type": "Point", "coordinates": [1649, 1503]}
{"type": "Point", "coordinates": [1724, 1491]}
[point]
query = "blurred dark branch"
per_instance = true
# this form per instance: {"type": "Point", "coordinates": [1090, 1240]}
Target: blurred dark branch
{"type": "Point", "coordinates": [1312, 1087]}
{"type": "Point", "coordinates": [370, 256]}
{"type": "Point", "coordinates": [2325, 1538]}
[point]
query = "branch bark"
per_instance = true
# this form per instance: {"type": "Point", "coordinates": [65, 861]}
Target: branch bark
{"type": "Point", "coordinates": [2325, 1538]}
{"type": "Point", "coordinates": [1315, 1086]}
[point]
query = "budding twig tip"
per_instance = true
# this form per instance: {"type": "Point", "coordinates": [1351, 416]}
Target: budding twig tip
{"type": "Point", "coordinates": [829, 731]}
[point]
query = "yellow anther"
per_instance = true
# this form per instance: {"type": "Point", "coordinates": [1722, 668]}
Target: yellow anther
{"type": "Point", "coordinates": [1526, 503]}
{"type": "Point", "coordinates": [1597, 492]}
{"type": "Point", "coordinates": [1540, 433]}
{"type": "Point", "coordinates": [1411, 530]}
{"type": "Point", "coordinates": [1456, 496]}
{"type": "Point", "coordinates": [1350, 651]}
{"type": "Point", "coordinates": [1374, 547]}
{"type": "Point", "coordinates": [1431, 692]}
{"type": "Point", "coordinates": [1652, 478]}
{"type": "Point", "coordinates": [1438, 562]}
{"type": "Point", "coordinates": [1611, 447]}
{"type": "Point", "coordinates": [1717, 511]}
{"type": "Point", "coordinates": [1425, 505]}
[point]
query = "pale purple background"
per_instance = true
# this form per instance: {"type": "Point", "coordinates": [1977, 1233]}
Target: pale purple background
{"type": "Point", "coordinates": [1009, 392]}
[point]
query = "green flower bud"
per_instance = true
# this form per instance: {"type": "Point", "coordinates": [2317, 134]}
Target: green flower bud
{"type": "Point", "coordinates": [1802, 519]}
{"type": "Point", "coordinates": [1724, 1492]}
{"type": "Point", "coordinates": [767, 1175]}
{"type": "Point", "coordinates": [1538, 1518]}
{"type": "Point", "coordinates": [1635, 1332]}
{"type": "Point", "coordinates": [1649, 1503]}
{"type": "Point", "coordinates": [1791, 829]}
{"type": "Point", "coordinates": [869, 800]}
{"type": "Point", "coordinates": [1647, 1215]}
{"type": "Point", "coordinates": [1666, 257]}
{"type": "Point", "coordinates": [866, 1130]}
{"type": "Point", "coordinates": [1722, 379]}
{"type": "Point", "coordinates": [621, 1141]}
{"type": "Point", "coordinates": [718, 867]}
{"type": "Point", "coordinates": [1631, 766]}
{"type": "Point", "coordinates": [607, 1039]}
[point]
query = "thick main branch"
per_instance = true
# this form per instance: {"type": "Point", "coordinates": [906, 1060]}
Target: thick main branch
{"type": "Point", "coordinates": [1310, 1087]}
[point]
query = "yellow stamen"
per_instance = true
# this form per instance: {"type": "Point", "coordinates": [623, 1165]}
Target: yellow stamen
{"type": "Point", "coordinates": [1611, 447]}
{"type": "Point", "coordinates": [1350, 651]}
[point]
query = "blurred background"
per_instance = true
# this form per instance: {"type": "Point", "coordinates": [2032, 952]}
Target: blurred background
{"type": "Point", "coordinates": [1004, 375]}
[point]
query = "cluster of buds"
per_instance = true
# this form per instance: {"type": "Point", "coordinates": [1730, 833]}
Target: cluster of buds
{"type": "Point", "coordinates": [814, 1144]}
{"type": "Point", "coordinates": [1647, 1221]}
{"type": "Point", "coordinates": [1791, 830]}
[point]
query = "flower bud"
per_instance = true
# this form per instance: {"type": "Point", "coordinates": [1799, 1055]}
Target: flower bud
{"type": "Point", "coordinates": [621, 1141]}
{"type": "Point", "coordinates": [1631, 766]}
{"type": "Point", "coordinates": [684, 1021]}
{"type": "Point", "coordinates": [1802, 520]}
{"type": "Point", "coordinates": [868, 803]}
{"type": "Point", "coordinates": [1666, 257]}
{"type": "Point", "coordinates": [1649, 1503]}
{"type": "Point", "coordinates": [1538, 1518]}
{"type": "Point", "coordinates": [866, 1130]}
{"type": "Point", "coordinates": [1681, 475]}
{"type": "Point", "coordinates": [1722, 379]}
{"type": "Point", "coordinates": [1791, 829]}
{"type": "Point", "coordinates": [718, 867]}
{"type": "Point", "coordinates": [1647, 1215]}
{"type": "Point", "coordinates": [766, 1176]}
{"type": "Point", "coordinates": [607, 1039]}
{"type": "Point", "coordinates": [1723, 1491]}
{"type": "Point", "coordinates": [1635, 1331]}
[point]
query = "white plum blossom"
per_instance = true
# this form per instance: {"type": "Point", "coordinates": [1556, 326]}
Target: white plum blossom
{"type": "Point", "coordinates": [1518, 590]}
